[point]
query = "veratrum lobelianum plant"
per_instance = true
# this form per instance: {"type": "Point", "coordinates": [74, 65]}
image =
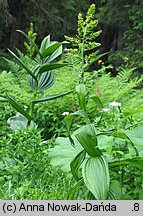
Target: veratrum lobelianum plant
{"type": "Point", "coordinates": [84, 44]}
{"type": "Point", "coordinates": [85, 53]}
{"type": "Point", "coordinates": [41, 76]}
{"type": "Point", "coordinates": [89, 153]}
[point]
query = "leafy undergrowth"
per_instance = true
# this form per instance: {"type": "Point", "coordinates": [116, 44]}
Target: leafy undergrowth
{"type": "Point", "coordinates": [25, 171]}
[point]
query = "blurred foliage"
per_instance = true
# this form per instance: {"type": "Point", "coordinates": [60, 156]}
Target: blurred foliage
{"type": "Point", "coordinates": [120, 21]}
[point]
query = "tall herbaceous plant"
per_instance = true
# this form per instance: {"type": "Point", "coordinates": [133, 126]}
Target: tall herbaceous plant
{"type": "Point", "coordinates": [96, 156]}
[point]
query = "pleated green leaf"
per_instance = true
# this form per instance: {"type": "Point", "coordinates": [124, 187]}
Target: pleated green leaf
{"type": "Point", "coordinates": [50, 97]}
{"type": "Point", "coordinates": [47, 80]}
{"type": "Point", "coordinates": [32, 82]}
{"type": "Point", "coordinates": [87, 138]}
{"type": "Point", "coordinates": [53, 56]}
{"type": "Point", "coordinates": [76, 163]}
{"type": "Point", "coordinates": [51, 49]}
{"type": "Point", "coordinates": [96, 177]}
{"type": "Point", "coordinates": [18, 107]}
{"type": "Point", "coordinates": [47, 67]}
{"type": "Point", "coordinates": [45, 43]}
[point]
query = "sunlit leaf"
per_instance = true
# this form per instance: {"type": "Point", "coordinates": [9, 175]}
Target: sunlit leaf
{"type": "Point", "coordinates": [52, 57]}
{"type": "Point", "coordinates": [47, 67]}
{"type": "Point", "coordinates": [3, 99]}
{"type": "Point", "coordinates": [50, 49]}
{"type": "Point", "coordinates": [87, 138]}
{"type": "Point", "coordinates": [96, 177]}
{"type": "Point", "coordinates": [45, 43]}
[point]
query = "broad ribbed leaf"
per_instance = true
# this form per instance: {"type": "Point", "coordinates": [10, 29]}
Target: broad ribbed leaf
{"type": "Point", "coordinates": [47, 67]}
{"type": "Point", "coordinates": [96, 177]}
{"type": "Point", "coordinates": [46, 81]}
{"type": "Point", "coordinates": [18, 107]}
{"type": "Point", "coordinates": [32, 82]}
{"type": "Point", "coordinates": [76, 163]}
{"type": "Point", "coordinates": [50, 49]}
{"type": "Point", "coordinates": [50, 97]}
{"type": "Point", "coordinates": [87, 138]}
{"type": "Point", "coordinates": [52, 57]}
{"type": "Point", "coordinates": [45, 43]}
{"type": "Point", "coordinates": [23, 65]}
{"type": "Point", "coordinates": [81, 93]}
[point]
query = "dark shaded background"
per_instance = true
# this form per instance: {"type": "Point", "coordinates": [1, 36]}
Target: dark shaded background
{"type": "Point", "coordinates": [121, 23]}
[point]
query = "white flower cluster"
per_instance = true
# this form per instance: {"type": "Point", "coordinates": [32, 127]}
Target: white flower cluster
{"type": "Point", "coordinates": [112, 104]}
{"type": "Point", "coordinates": [65, 113]}
{"type": "Point", "coordinates": [115, 104]}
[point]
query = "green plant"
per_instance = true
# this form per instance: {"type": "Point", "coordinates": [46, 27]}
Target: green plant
{"type": "Point", "coordinates": [113, 152]}
{"type": "Point", "coordinates": [32, 35]}
{"type": "Point", "coordinates": [25, 171]}
{"type": "Point", "coordinates": [105, 148]}
{"type": "Point", "coordinates": [84, 54]}
{"type": "Point", "coordinates": [41, 75]}
{"type": "Point", "coordinates": [85, 42]}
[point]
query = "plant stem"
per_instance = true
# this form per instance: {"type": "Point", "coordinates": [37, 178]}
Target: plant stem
{"type": "Point", "coordinates": [82, 57]}
{"type": "Point", "coordinates": [32, 108]}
